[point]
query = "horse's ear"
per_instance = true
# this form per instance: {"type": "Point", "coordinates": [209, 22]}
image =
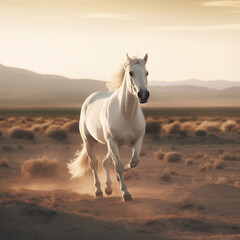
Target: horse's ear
{"type": "Point", "coordinates": [128, 59]}
{"type": "Point", "coordinates": [145, 58]}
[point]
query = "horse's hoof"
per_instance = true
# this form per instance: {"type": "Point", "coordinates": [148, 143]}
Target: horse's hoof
{"type": "Point", "coordinates": [108, 192]}
{"type": "Point", "coordinates": [127, 198]}
{"type": "Point", "coordinates": [99, 194]}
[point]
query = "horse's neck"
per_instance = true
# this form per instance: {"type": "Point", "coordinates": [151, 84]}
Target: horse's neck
{"type": "Point", "coordinates": [128, 102]}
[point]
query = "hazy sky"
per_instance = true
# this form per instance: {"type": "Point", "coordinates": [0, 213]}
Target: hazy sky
{"type": "Point", "coordinates": [185, 39]}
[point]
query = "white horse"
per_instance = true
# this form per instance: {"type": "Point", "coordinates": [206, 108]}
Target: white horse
{"type": "Point", "coordinates": [113, 118]}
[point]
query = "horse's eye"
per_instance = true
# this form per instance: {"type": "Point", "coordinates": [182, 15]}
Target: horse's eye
{"type": "Point", "coordinates": [146, 73]}
{"type": "Point", "coordinates": [131, 73]}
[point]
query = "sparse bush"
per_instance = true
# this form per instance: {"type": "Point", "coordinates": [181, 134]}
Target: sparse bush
{"type": "Point", "coordinates": [227, 156]}
{"type": "Point", "coordinates": [20, 133]}
{"type": "Point", "coordinates": [199, 155]}
{"type": "Point", "coordinates": [188, 126]}
{"type": "Point", "coordinates": [159, 154]}
{"type": "Point", "coordinates": [228, 126]}
{"type": "Point", "coordinates": [188, 161]}
{"type": "Point", "coordinates": [39, 120]}
{"type": "Point", "coordinates": [210, 127]}
{"type": "Point", "coordinates": [44, 126]}
{"type": "Point", "coordinates": [152, 126]}
{"type": "Point", "coordinates": [4, 163]}
{"type": "Point", "coordinates": [218, 164]}
{"type": "Point", "coordinates": [166, 175]}
{"type": "Point", "coordinates": [205, 166]}
{"type": "Point", "coordinates": [172, 128]}
{"type": "Point", "coordinates": [72, 126]}
{"type": "Point", "coordinates": [209, 180]}
{"type": "Point", "coordinates": [172, 157]}
{"type": "Point", "coordinates": [200, 132]}
{"type": "Point", "coordinates": [221, 180]}
{"type": "Point", "coordinates": [56, 132]}
{"type": "Point", "coordinates": [40, 168]}
{"type": "Point", "coordinates": [37, 128]}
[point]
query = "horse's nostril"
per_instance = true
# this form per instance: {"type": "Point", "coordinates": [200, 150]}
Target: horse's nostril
{"type": "Point", "coordinates": [140, 94]}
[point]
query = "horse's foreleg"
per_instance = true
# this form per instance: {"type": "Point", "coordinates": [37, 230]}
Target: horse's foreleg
{"type": "Point", "coordinates": [114, 153]}
{"type": "Point", "coordinates": [106, 166]}
{"type": "Point", "coordinates": [135, 155]}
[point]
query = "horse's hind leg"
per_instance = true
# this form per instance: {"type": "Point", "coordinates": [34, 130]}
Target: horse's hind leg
{"type": "Point", "coordinates": [106, 166]}
{"type": "Point", "coordinates": [90, 147]}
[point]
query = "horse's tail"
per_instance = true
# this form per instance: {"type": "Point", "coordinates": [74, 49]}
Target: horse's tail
{"type": "Point", "coordinates": [79, 165]}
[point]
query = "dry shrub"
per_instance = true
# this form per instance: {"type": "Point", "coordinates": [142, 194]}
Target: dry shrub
{"type": "Point", "coordinates": [166, 174]}
{"type": "Point", "coordinates": [188, 126]}
{"type": "Point", "coordinates": [56, 132]}
{"type": "Point", "coordinates": [37, 128]}
{"type": "Point", "coordinates": [229, 126]}
{"type": "Point", "coordinates": [152, 126]}
{"type": "Point", "coordinates": [172, 157]}
{"type": "Point", "coordinates": [44, 126]}
{"type": "Point", "coordinates": [200, 132]}
{"type": "Point", "coordinates": [21, 133]}
{"type": "Point", "coordinates": [159, 154]}
{"type": "Point", "coordinates": [172, 128]}
{"type": "Point", "coordinates": [227, 156]}
{"type": "Point", "coordinates": [39, 120]}
{"type": "Point", "coordinates": [205, 166]}
{"type": "Point", "coordinates": [188, 161]}
{"type": "Point", "coordinates": [209, 180]}
{"type": "Point", "coordinates": [72, 126]}
{"type": "Point", "coordinates": [4, 163]}
{"type": "Point", "coordinates": [40, 168]}
{"type": "Point", "coordinates": [218, 164]}
{"type": "Point", "coordinates": [186, 201]}
{"type": "Point", "coordinates": [221, 180]}
{"type": "Point", "coordinates": [212, 164]}
{"type": "Point", "coordinates": [210, 127]}
{"type": "Point", "coordinates": [199, 155]}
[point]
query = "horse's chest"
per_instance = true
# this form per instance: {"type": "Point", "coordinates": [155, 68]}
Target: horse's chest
{"type": "Point", "coordinates": [127, 137]}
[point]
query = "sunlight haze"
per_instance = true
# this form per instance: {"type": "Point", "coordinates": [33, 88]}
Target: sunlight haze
{"type": "Point", "coordinates": [185, 39]}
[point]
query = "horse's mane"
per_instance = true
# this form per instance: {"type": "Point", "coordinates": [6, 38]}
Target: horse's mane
{"type": "Point", "coordinates": [117, 80]}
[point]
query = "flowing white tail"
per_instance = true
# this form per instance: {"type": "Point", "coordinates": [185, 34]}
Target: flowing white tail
{"type": "Point", "coordinates": [79, 165]}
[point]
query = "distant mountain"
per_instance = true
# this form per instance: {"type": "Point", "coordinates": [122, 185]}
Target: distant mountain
{"type": "Point", "coordinates": [217, 84]}
{"type": "Point", "coordinates": [25, 89]}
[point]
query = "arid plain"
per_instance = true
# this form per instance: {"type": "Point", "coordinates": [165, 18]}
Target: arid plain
{"type": "Point", "coordinates": [186, 186]}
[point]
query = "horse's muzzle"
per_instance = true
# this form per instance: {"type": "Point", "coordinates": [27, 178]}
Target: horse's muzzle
{"type": "Point", "coordinates": [143, 96]}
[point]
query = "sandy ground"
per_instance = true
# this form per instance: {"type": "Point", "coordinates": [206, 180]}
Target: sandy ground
{"type": "Point", "coordinates": [188, 204]}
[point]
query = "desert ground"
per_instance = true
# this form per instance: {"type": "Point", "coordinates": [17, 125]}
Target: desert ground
{"type": "Point", "coordinates": [186, 186]}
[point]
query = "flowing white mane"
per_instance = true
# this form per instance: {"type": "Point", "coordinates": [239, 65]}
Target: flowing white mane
{"type": "Point", "coordinates": [117, 80]}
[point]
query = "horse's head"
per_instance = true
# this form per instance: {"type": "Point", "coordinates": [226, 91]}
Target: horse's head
{"type": "Point", "coordinates": [137, 73]}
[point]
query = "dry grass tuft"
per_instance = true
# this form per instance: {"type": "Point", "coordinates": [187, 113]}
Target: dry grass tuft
{"type": "Point", "coordinates": [221, 180]}
{"type": "Point", "coordinates": [188, 161]}
{"type": "Point", "coordinates": [56, 132]}
{"type": "Point", "coordinates": [227, 156]}
{"type": "Point", "coordinates": [172, 128]}
{"type": "Point", "coordinates": [40, 168]}
{"type": "Point", "coordinates": [21, 133]}
{"type": "Point", "coordinates": [166, 175]}
{"type": "Point", "coordinates": [188, 126]}
{"type": "Point", "coordinates": [4, 163]}
{"type": "Point", "coordinates": [37, 128]}
{"type": "Point", "coordinates": [72, 126]}
{"type": "Point", "coordinates": [199, 155]}
{"type": "Point", "coordinates": [218, 164]}
{"type": "Point", "coordinates": [172, 157]}
{"type": "Point", "coordinates": [210, 127]}
{"type": "Point", "coordinates": [186, 202]}
{"type": "Point", "coordinates": [159, 154]}
{"type": "Point", "coordinates": [152, 126]}
{"type": "Point", "coordinates": [200, 132]}
{"type": "Point", "coordinates": [229, 126]}
{"type": "Point", "coordinates": [212, 164]}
